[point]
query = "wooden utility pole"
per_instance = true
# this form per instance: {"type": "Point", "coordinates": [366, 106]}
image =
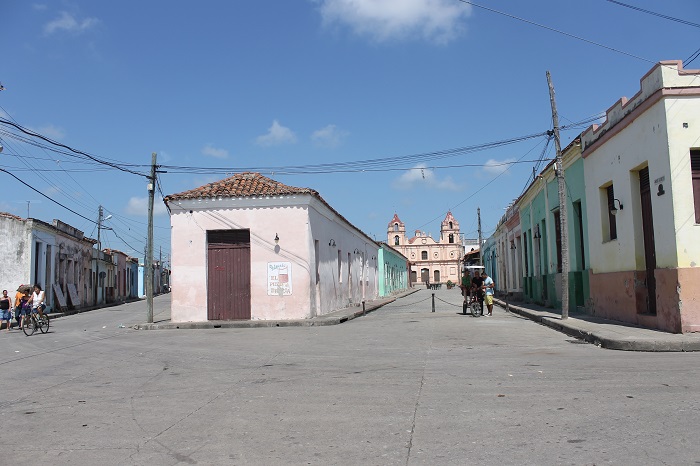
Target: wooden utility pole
{"type": "Point", "coordinates": [148, 260]}
{"type": "Point", "coordinates": [478, 218]}
{"type": "Point", "coordinates": [563, 223]}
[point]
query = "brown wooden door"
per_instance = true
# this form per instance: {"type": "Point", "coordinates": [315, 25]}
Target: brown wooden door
{"type": "Point", "coordinates": [228, 273]}
{"type": "Point", "coordinates": [649, 242]}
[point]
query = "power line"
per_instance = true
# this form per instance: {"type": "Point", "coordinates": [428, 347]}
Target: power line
{"type": "Point", "coordinates": [482, 187]}
{"type": "Point", "coordinates": [47, 197]}
{"type": "Point", "coordinates": [691, 58]}
{"type": "Point", "coordinates": [670, 18]}
{"type": "Point", "coordinates": [558, 31]}
{"type": "Point", "coordinates": [58, 144]}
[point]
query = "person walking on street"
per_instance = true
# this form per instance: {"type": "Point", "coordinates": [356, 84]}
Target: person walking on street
{"type": "Point", "coordinates": [5, 306]}
{"type": "Point", "coordinates": [488, 290]}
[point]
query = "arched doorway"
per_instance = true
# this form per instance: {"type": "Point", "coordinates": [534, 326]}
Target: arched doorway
{"type": "Point", "coordinates": [424, 275]}
{"type": "Point", "coordinates": [436, 276]}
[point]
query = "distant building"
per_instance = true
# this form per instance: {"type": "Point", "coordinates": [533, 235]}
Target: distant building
{"type": "Point", "coordinates": [393, 271]}
{"type": "Point", "coordinates": [432, 261]}
{"type": "Point", "coordinates": [57, 256]}
{"type": "Point", "coordinates": [249, 247]}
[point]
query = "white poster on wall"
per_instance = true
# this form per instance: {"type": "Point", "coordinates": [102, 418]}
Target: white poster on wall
{"type": "Point", "coordinates": [279, 278]}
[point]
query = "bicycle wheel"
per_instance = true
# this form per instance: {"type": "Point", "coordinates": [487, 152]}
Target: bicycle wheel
{"type": "Point", "coordinates": [475, 309]}
{"type": "Point", "coordinates": [43, 321]}
{"type": "Point", "coordinates": [28, 325]}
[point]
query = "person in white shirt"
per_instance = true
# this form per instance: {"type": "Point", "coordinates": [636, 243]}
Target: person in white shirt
{"type": "Point", "coordinates": [37, 299]}
{"type": "Point", "coordinates": [488, 290]}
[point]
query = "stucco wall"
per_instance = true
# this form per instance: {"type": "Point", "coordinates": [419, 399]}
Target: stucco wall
{"type": "Point", "coordinates": [642, 142]}
{"type": "Point", "coordinates": [681, 112]}
{"type": "Point", "coordinates": [347, 266]}
{"type": "Point", "coordinates": [16, 244]}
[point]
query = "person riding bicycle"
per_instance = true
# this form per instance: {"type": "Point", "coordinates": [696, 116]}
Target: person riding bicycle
{"type": "Point", "coordinates": [37, 300]}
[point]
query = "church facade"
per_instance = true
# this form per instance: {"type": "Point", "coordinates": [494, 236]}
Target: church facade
{"type": "Point", "coordinates": [431, 261]}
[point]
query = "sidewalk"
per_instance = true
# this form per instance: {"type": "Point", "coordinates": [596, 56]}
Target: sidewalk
{"type": "Point", "coordinates": [334, 318]}
{"type": "Point", "coordinates": [605, 333]}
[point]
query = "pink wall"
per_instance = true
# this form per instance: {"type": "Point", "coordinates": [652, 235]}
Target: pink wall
{"type": "Point", "coordinates": [620, 296]}
{"type": "Point", "coordinates": [303, 225]}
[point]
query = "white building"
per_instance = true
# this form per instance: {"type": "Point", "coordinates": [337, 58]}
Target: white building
{"type": "Point", "coordinates": [249, 247]}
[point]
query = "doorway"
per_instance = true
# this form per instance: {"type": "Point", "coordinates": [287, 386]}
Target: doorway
{"type": "Point", "coordinates": [228, 273]}
{"type": "Point", "coordinates": [649, 241]}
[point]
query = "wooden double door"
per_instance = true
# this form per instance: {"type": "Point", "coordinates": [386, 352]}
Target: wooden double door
{"type": "Point", "coordinates": [228, 275]}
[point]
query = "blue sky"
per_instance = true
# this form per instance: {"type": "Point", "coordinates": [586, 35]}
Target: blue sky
{"type": "Point", "coordinates": [223, 86]}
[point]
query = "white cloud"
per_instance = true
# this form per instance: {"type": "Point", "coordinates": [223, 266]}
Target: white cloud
{"type": "Point", "coordinates": [51, 131]}
{"type": "Point", "coordinates": [277, 135]}
{"type": "Point", "coordinates": [437, 21]}
{"type": "Point", "coordinates": [214, 152]}
{"type": "Point", "coordinates": [139, 206]}
{"type": "Point", "coordinates": [68, 23]}
{"type": "Point", "coordinates": [422, 176]}
{"type": "Point", "coordinates": [51, 191]}
{"type": "Point", "coordinates": [496, 167]}
{"type": "Point", "coordinates": [329, 137]}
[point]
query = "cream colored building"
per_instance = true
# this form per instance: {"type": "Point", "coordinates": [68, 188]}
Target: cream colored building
{"type": "Point", "coordinates": [432, 261]}
{"type": "Point", "coordinates": [642, 172]}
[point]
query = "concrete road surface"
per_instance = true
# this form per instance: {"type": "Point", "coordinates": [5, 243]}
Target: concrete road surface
{"type": "Point", "coordinates": [399, 386]}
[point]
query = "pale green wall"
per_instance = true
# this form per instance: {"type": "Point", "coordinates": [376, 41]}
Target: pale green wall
{"type": "Point", "coordinates": [393, 272]}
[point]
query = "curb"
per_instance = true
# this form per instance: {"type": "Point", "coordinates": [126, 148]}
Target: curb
{"type": "Point", "coordinates": [671, 342]}
{"type": "Point", "coordinates": [336, 318]}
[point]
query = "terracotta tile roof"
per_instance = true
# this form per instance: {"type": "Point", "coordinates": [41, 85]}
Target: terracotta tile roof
{"type": "Point", "coordinates": [241, 185]}
{"type": "Point", "coordinates": [248, 184]}
{"type": "Point", "coordinates": [9, 215]}
{"type": "Point", "coordinates": [395, 219]}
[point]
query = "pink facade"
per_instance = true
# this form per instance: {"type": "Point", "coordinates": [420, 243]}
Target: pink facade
{"type": "Point", "coordinates": [291, 256]}
{"type": "Point", "coordinates": [432, 261]}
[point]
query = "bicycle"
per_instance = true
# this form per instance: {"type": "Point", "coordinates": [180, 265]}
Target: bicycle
{"type": "Point", "coordinates": [34, 320]}
{"type": "Point", "coordinates": [472, 303]}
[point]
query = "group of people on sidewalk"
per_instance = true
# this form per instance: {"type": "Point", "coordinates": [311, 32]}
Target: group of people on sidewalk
{"type": "Point", "coordinates": [483, 286]}
{"type": "Point", "coordinates": [26, 301]}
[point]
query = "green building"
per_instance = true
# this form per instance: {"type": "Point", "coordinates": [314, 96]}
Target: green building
{"type": "Point", "coordinates": [393, 271]}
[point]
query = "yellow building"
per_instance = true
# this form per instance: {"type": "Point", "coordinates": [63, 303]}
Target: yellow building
{"type": "Point", "coordinates": [431, 261]}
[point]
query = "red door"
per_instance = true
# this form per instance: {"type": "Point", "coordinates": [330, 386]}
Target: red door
{"type": "Point", "coordinates": [228, 273]}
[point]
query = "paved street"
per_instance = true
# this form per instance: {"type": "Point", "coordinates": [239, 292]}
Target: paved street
{"type": "Point", "coordinates": [401, 385]}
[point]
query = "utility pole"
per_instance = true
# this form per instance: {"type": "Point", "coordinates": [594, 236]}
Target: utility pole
{"type": "Point", "coordinates": [100, 213]}
{"type": "Point", "coordinates": [478, 218]}
{"type": "Point", "coordinates": [148, 260]}
{"type": "Point", "coordinates": [99, 253]}
{"type": "Point", "coordinates": [563, 223]}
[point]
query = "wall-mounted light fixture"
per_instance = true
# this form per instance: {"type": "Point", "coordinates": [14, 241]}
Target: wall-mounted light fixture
{"type": "Point", "coordinates": [512, 244]}
{"type": "Point", "coordinates": [356, 251]}
{"type": "Point", "coordinates": [614, 209]}
{"type": "Point", "coordinates": [537, 234]}
{"type": "Point", "coordinates": [277, 239]}
{"type": "Point", "coordinates": [331, 242]}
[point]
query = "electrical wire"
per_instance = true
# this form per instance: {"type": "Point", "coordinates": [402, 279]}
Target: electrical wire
{"type": "Point", "coordinates": [691, 58]}
{"type": "Point", "coordinates": [670, 18]}
{"type": "Point", "coordinates": [76, 151]}
{"type": "Point", "coordinates": [558, 31]}
{"type": "Point", "coordinates": [47, 197]}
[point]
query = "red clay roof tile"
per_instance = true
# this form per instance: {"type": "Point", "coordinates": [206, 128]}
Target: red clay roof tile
{"type": "Point", "coordinates": [241, 185]}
